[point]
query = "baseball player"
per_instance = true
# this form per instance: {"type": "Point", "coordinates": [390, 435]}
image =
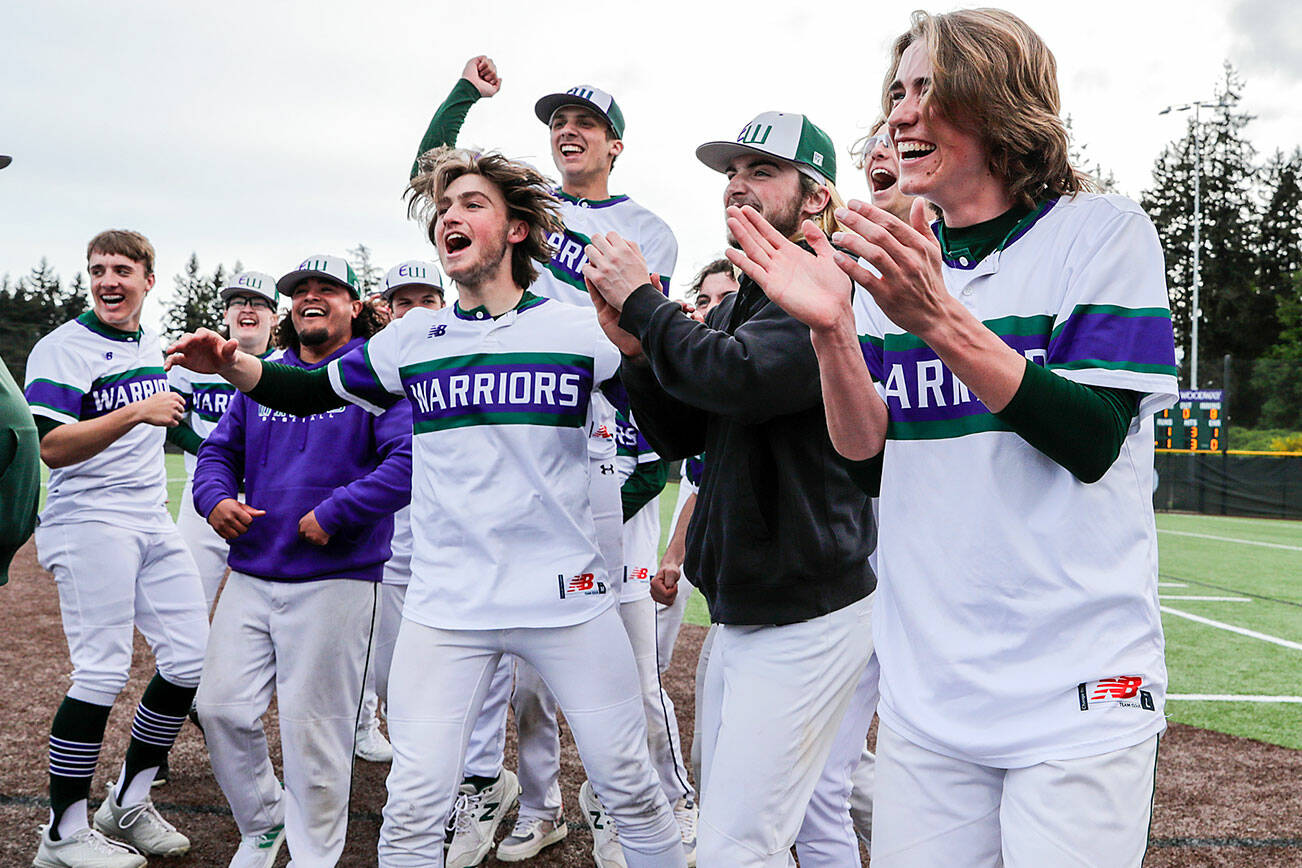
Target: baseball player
{"type": "Point", "coordinates": [781, 535]}
{"type": "Point", "coordinates": [505, 557]}
{"type": "Point", "coordinates": [97, 389]}
{"type": "Point", "coordinates": [251, 303]}
{"type": "Point", "coordinates": [307, 551]}
{"type": "Point", "coordinates": [587, 130]}
{"type": "Point", "coordinates": [1008, 368]}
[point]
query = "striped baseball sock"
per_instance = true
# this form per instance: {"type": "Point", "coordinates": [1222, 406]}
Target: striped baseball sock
{"type": "Point", "coordinates": [159, 716]}
{"type": "Point", "coordinates": [75, 738]}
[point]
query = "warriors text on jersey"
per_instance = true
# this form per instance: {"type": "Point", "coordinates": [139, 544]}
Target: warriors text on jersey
{"type": "Point", "coordinates": [83, 370]}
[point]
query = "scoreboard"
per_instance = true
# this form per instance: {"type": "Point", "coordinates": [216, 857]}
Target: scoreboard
{"type": "Point", "coordinates": [1194, 423]}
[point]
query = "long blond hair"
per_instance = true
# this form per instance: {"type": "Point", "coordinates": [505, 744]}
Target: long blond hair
{"type": "Point", "coordinates": [992, 75]}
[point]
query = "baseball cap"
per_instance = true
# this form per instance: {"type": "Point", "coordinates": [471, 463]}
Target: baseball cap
{"type": "Point", "coordinates": [323, 267]}
{"type": "Point", "coordinates": [5, 160]}
{"type": "Point", "coordinates": [582, 95]}
{"type": "Point", "coordinates": [253, 283]}
{"type": "Point", "coordinates": [413, 272]}
{"type": "Point", "coordinates": [785, 135]}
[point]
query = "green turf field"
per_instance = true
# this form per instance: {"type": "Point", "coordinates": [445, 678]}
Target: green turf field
{"type": "Point", "coordinates": [1254, 568]}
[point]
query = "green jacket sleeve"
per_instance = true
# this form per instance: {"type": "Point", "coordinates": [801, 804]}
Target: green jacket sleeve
{"type": "Point", "coordinates": [646, 482]}
{"type": "Point", "coordinates": [446, 123]}
{"type": "Point", "coordinates": [20, 471]}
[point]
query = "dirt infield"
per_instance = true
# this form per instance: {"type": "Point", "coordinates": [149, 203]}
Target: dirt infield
{"type": "Point", "coordinates": [1220, 800]}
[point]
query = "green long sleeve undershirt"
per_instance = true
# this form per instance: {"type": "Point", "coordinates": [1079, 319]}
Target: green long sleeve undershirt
{"type": "Point", "coordinates": [296, 391]}
{"type": "Point", "coordinates": [185, 438]}
{"type": "Point", "coordinates": [646, 482]}
{"type": "Point", "coordinates": [447, 120]}
{"type": "Point", "coordinates": [1079, 427]}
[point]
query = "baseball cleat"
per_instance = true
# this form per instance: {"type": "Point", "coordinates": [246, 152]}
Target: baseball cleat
{"type": "Point", "coordinates": [259, 851]}
{"type": "Point", "coordinates": [84, 848]}
{"type": "Point", "coordinates": [371, 745]}
{"type": "Point", "coordinates": [606, 849]}
{"type": "Point", "coordinates": [529, 837]}
{"type": "Point", "coordinates": [686, 812]}
{"type": "Point", "coordinates": [475, 819]}
{"type": "Point", "coordinates": [141, 826]}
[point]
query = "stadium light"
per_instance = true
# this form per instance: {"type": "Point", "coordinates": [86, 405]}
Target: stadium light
{"type": "Point", "coordinates": [1198, 222]}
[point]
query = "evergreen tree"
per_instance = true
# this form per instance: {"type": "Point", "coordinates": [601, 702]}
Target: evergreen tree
{"type": "Point", "coordinates": [1237, 316]}
{"type": "Point", "coordinates": [31, 308]}
{"type": "Point", "coordinates": [1280, 251]}
{"type": "Point", "coordinates": [1103, 179]}
{"type": "Point", "coordinates": [196, 303]}
{"type": "Point", "coordinates": [369, 275]}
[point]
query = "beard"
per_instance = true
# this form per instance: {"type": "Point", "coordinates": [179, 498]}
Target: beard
{"type": "Point", "coordinates": [785, 219]}
{"type": "Point", "coordinates": [478, 273]}
{"type": "Point", "coordinates": [313, 334]}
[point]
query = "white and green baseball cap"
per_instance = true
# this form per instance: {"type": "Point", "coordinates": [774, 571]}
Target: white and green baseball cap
{"type": "Point", "coordinates": [252, 283]}
{"type": "Point", "coordinates": [582, 95]}
{"type": "Point", "coordinates": [413, 272]}
{"type": "Point", "coordinates": [324, 267]}
{"type": "Point", "coordinates": [787, 136]}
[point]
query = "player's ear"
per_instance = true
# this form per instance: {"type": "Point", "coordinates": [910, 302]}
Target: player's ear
{"type": "Point", "coordinates": [616, 147]}
{"type": "Point", "coordinates": [149, 281]}
{"type": "Point", "coordinates": [518, 232]}
{"type": "Point", "coordinates": [358, 304]}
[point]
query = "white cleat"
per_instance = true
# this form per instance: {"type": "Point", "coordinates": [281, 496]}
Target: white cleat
{"type": "Point", "coordinates": [687, 812]}
{"type": "Point", "coordinates": [606, 849]}
{"type": "Point", "coordinates": [371, 744]}
{"type": "Point", "coordinates": [475, 819]}
{"type": "Point", "coordinates": [259, 851]}
{"type": "Point", "coordinates": [141, 826]}
{"type": "Point", "coordinates": [85, 848]}
{"type": "Point", "coordinates": [529, 837]}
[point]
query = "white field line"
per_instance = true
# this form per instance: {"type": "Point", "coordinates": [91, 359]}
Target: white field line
{"type": "Point", "coordinates": [1246, 542]}
{"type": "Point", "coordinates": [1230, 697]}
{"type": "Point", "coordinates": [1207, 599]}
{"type": "Point", "coordinates": [1296, 646]}
{"type": "Point", "coordinates": [1172, 585]}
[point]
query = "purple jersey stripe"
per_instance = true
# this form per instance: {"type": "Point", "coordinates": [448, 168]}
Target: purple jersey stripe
{"type": "Point", "coordinates": [56, 396]}
{"type": "Point", "coordinates": [1142, 341]}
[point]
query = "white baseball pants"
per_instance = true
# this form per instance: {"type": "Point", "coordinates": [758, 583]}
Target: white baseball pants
{"type": "Point", "coordinates": [437, 685]}
{"type": "Point", "coordinates": [1083, 812]}
{"type": "Point", "coordinates": [307, 641]}
{"type": "Point", "coordinates": [206, 546]}
{"type": "Point", "coordinates": [111, 579]}
{"type": "Point", "coordinates": [773, 700]}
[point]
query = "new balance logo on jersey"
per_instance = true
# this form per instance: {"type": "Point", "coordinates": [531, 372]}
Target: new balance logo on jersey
{"type": "Point", "coordinates": [584, 584]}
{"type": "Point", "coordinates": [642, 574]}
{"type": "Point", "coordinates": [1125, 691]}
{"type": "Point", "coordinates": [437, 331]}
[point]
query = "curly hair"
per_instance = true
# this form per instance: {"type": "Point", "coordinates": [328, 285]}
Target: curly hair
{"type": "Point", "coordinates": [994, 77]}
{"type": "Point", "coordinates": [365, 324]}
{"type": "Point", "coordinates": [527, 193]}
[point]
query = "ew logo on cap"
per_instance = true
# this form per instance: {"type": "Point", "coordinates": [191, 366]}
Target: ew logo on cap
{"type": "Point", "coordinates": [581, 92]}
{"type": "Point", "coordinates": [754, 134]}
{"type": "Point", "coordinates": [313, 265]}
{"type": "Point", "coordinates": [250, 280]}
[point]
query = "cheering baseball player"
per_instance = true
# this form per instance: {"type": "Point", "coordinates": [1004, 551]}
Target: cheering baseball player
{"type": "Point", "coordinates": [97, 389]}
{"type": "Point", "coordinates": [505, 557]}
{"type": "Point", "coordinates": [586, 135]}
{"type": "Point", "coordinates": [307, 551]}
{"type": "Point", "coordinates": [1004, 378]}
{"type": "Point", "coordinates": [780, 538]}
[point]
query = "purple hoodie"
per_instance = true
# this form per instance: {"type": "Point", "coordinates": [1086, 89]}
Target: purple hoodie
{"type": "Point", "coordinates": [353, 468]}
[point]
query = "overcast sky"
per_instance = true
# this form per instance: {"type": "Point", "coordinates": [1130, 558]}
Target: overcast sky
{"type": "Point", "coordinates": [266, 131]}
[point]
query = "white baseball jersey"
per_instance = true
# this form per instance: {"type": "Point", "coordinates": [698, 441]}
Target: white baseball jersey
{"type": "Point", "coordinates": [206, 398]}
{"type": "Point", "coordinates": [397, 569]}
{"type": "Point", "coordinates": [1017, 619]}
{"type": "Point", "coordinates": [503, 534]}
{"type": "Point", "coordinates": [83, 370]}
{"type": "Point", "coordinates": [562, 278]}
{"type": "Point", "coordinates": [641, 536]}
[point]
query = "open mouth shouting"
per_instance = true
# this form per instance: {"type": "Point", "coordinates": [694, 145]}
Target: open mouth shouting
{"type": "Point", "coordinates": [311, 310]}
{"type": "Point", "coordinates": [911, 149]}
{"type": "Point", "coordinates": [570, 149]}
{"type": "Point", "coordinates": [882, 179]}
{"type": "Point", "coordinates": [455, 242]}
{"type": "Point", "coordinates": [247, 319]}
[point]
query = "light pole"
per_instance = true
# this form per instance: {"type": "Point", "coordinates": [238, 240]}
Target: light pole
{"type": "Point", "coordinates": [1198, 223]}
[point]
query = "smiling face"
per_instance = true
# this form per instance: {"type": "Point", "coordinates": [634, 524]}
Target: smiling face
{"type": "Point", "coordinates": [881, 166]}
{"type": "Point", "coordinates": [322, 313]}
{"type": "Point", "coordinates": [118, 285]}
{"type": "Point", "coordinates": [407, 298]}
{"type": "Point", "coordinates": [249, 320]}
{"type": "Point", "coordinates": [581, 144]}
{"type": "Point", "coordinates": [473, 230]}
{"type": "Point", "coordinates": [939, 161]}
{"type": "Point", "coordinates": [770, 186]}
